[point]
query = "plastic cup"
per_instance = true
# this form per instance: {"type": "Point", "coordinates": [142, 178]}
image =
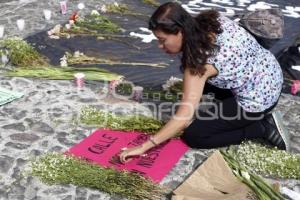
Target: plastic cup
{"type": "Point", "coordinates": [63, 7]}
{"type": "Point", "coordinates": [112, 85]}
{"type": "Point", "coordinates": [79, 79]}
{"type": "Point", "coordinates": [21, 24]}
{"type": "Point", "coordinates": [47, 14]}
{"type": "Point", "coordinates": [81, 6]}
{"type": "Point", "coordinates": [1, 31]}
{"type": "Point", "coordinates": [137, 93]}
{"type": "Point", "coordinates": [4, 59]}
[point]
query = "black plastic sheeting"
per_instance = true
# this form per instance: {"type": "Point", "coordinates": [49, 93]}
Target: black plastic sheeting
{"type": "Point", "coordinates": [291, 57]}
{"type": "Point", "coordinates": [148, 76]}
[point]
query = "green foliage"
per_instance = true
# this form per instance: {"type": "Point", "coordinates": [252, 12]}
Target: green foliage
{"type": "Point", "coordinates": [124, 89]}
{"type": "Point", "coordinates": [64, 73]}
{"type": "Point", "coordinates": [170, 96]}
{"type": "Point", "coordinates": [118, 8]}
{"type": "Point", "coordinates": [262, 189]}
{"type": "Point", "coordinates": [267, 161]}
{"type": "Point", "coordinates": [122, 9]}
{"type": "Point", "coordinates": [98, 23]}
{"type": "Point", "coordinates": [176, 88]}
{"type": "Point", "coordinates": [22, 54]}
{"type": "Point", "coordinates": [81, 58]}
{"type": "Point", "coordinates": [91, 116]}
{"type": "Point", "coordinates": [152, 2]}
{"type": "Point", "coordinates": [57, 168]}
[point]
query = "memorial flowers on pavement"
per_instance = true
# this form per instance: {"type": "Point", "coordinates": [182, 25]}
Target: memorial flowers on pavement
{"type": "Point", "coordinates": [262, 190]}
{"type": "Point", "coordinates": [267, 161]}
{"type": "Point", "coordinates": [58, 168]}
{"type": "Point", "coordinates": [80, 58]}
{"type": "Point", "coordinates": [173, 84]}
{"type": "Point", "coordinates": [22, 54]}
{"type": "Point", "coordinates": [92, 116]}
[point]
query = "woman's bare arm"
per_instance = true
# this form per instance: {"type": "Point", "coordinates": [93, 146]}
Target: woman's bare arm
{"type": "Point", "coordinates": [193, 86]}
{"type": "Point", "coordinates": [192, 92]}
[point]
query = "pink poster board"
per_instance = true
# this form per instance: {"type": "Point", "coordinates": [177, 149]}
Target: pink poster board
{"type": "Point", "coordinates": [103, 147]}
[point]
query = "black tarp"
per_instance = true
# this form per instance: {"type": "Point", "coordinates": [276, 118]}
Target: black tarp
{"type": "Point", "coordinates": [147, 76]}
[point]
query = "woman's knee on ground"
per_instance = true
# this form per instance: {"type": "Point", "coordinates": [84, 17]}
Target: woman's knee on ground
{"type": "Point", "coordinates": [194, 140]}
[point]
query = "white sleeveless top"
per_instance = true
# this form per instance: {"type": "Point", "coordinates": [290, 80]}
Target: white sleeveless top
{"type": "Point", "coordinates": [250, 71]}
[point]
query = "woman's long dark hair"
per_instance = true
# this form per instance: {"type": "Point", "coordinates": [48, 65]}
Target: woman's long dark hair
{"type": "Point", "coordinates": [198, 41]}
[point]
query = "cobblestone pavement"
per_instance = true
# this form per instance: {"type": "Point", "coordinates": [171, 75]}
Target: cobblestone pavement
{"type": "Point", "coordinates": [41, 121]}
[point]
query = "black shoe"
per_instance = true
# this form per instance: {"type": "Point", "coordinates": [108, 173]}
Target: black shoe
{"type": "Point", "coordinates": [275, 132]}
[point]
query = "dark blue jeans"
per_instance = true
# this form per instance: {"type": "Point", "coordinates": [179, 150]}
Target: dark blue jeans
{"type": "Point", "coordinates": [224, 124]}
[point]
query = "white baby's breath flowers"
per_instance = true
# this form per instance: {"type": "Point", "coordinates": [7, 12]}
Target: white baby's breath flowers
{"type": "Point", "coordinates": [68, 26]}
{"type": "Point", "coordinates": [103, 9]}
{"type": "Point", "coordinates": [77, 54]}
{"type": "Point", "coordinates": [56, 29]}
{"type": "Point", "coordinates": [64, 61]}
{"type": "Point", "coordinates": [71, 22]}
{"type": "Point", "coordinates": [270, 162]}
{"type": "Point", "coordinates": [55, 37]}
{"type": "Point", "coordinates": [245, 175]}
{"type": "Point", "coordinates": [95, 13]}
{"type": "Point", "coordinates": [171, 82]}
{"type": "Point", "coordinates": [54, 32]}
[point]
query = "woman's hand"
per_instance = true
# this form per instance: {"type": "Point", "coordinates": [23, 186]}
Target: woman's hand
{"type": "Point", "coordinates": [127, 153]}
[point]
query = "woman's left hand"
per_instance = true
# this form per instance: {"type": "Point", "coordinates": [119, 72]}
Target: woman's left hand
{"type": "Point", "coordinates": [127, 153]}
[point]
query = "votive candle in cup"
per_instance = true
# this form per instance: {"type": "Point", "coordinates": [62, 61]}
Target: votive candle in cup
{"type": "Point", "coordinates": [81, 6]}
{"type": "Point", "coordinates": [63, 7]}
{"type": "Point", "coordinates": [79, 79]}
{"type": "Point", "coordinates": [137, 93]}
{"type": "Point", "coordinates": [21, 24]}
{"type": "Point", "coordinates": [1, 31]}
{"type": "Point", "coordinates": [47, 14]}
{"type": "Point", "coordinates": [112, 85]}
{"type": "Point", "coordinates": [4, 59]}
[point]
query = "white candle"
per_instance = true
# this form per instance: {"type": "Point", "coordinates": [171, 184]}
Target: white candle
{"type": "Point", "coordinates": [21, 24]}
{"type": "Point", "coordinates": [47, 14]}
{"type": "Point", "coordinates": [81, 6]}
{"type": "Point", "coordinates": [63, 7]}
{"type": "Point", "coordinates": [4, 59]}
{"type": "Point", "coordinates": [137, 93]}
{"type": "Point", "coordinates": [1, 31]}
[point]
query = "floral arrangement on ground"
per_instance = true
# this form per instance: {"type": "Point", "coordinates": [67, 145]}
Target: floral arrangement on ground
{"type": "Point", "coordinates": [266, 160]}
{"type": "Point", "coordinates": [92, 116]}
{"type": "Point", "coordinates": [58, 168]}
{"type": "Point", "coordinates": [22, 54]}
{"type": "Point", "coordinates": [29, 63]}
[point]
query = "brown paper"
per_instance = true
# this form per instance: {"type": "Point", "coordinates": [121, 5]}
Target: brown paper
{"type": "Point", "coordinates": [213, 180]}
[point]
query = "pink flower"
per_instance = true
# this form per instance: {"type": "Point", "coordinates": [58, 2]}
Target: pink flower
{"type": "Point", "coordinates": [295, 87]}
{"type": "Point", "coordinates": [74, 16]}
{"type": "Point", "coordinates": [113, 84]}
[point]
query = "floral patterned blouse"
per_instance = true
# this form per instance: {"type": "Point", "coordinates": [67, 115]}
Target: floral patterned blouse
{"type": "Point", "coordinates": [250, 71]}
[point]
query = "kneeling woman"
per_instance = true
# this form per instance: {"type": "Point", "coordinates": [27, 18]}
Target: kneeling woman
{"type": "Point", "coordinates": [221, 57]}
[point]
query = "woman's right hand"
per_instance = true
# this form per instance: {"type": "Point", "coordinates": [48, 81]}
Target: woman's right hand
{"type": "Point", "coordinates": [131, 152]}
